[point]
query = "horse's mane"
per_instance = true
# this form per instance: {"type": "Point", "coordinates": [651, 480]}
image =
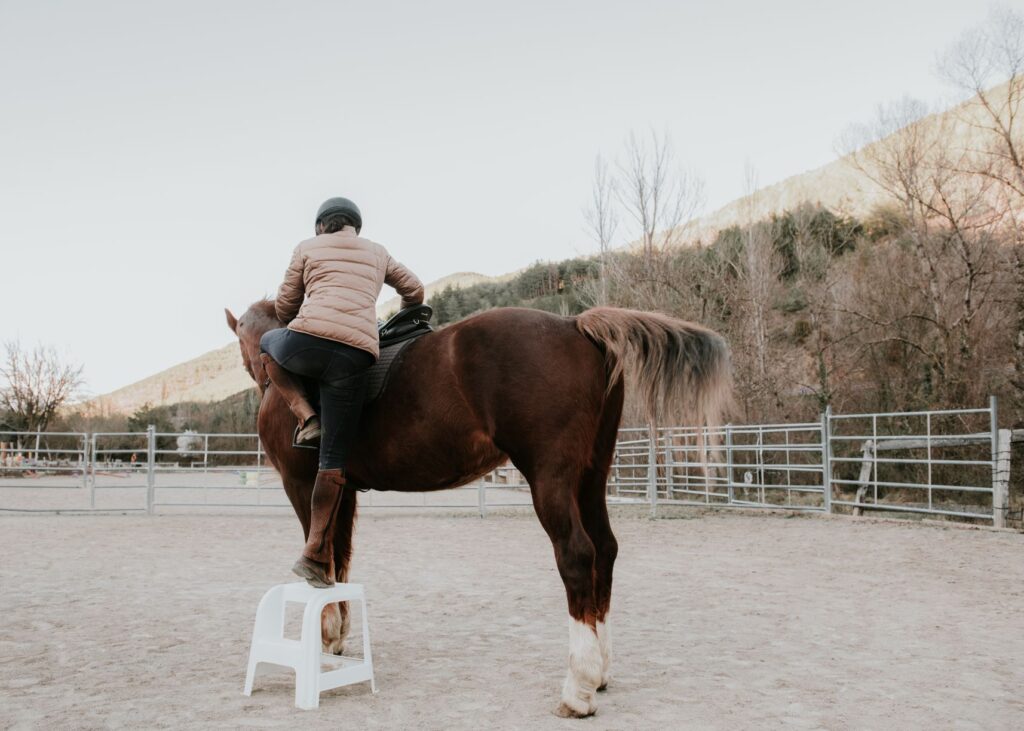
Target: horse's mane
{"type": "Point", "coordinates": [264, 309]}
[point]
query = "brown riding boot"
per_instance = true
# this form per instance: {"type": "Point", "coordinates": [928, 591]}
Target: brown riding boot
{"type": "Point", "coordinates": [294, 395]}
{"type": "Point", "coordinates": [316, 564]}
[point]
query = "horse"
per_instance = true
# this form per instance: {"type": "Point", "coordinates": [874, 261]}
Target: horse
{"type": "Point", "coordinates": [541, 390]}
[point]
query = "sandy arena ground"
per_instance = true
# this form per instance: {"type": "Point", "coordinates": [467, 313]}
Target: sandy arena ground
{"type": "Point", "coordinates": [720, 621]}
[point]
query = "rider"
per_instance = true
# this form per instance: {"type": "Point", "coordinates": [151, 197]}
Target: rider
{"type": "Point", "coordinates": [328, 302]}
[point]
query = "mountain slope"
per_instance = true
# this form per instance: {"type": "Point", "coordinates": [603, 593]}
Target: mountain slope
{"type": "Point", "coordinates": [839, 185]}
{"type": "Point", "coordinates": [455, 281]}
{"type": "Point", "coordinates": [210, 377]}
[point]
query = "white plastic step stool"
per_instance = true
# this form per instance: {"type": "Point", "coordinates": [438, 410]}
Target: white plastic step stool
{"type": "Point", "coordinates": [306, 655]}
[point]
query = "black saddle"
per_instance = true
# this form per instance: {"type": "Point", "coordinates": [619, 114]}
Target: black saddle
{"type": "Point", "coordinates": [409, 323]}
{"type": "Point", "coordinates": [395, 336]}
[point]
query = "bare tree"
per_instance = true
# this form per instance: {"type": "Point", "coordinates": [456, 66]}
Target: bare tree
{"type": "Point", "coordinates": [656, 192]}
{"type": "Point", "coordinates": [761, 272]}
{"type": "Point", "coordinates": [649, 188]}
{"type": "Point", "coordinates": [35, 383]}
{"type": "Point", "coordinates": [757, 273]}
{"type": "Point", "coordinates": [987, 63]}
{"type": "Point", "coordinates": [823, 329]}
{"type": "Point", "coordinates": [950, 215]}
{"type": "Point", "coordinates": [602, 222]}
{"type": "Point", "coordinates": [893, 152]}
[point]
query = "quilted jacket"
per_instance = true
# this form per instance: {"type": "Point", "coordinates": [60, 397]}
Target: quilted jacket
{"type": "Point", "coordinates": [331, 287]}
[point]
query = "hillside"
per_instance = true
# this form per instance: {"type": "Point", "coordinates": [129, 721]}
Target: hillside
{"type": "Point", "coordinates": [455, 281]}
{"type": "Point", "coordinates": [210, 377]}
{"type": "Point", "coordinates": [839, 185]}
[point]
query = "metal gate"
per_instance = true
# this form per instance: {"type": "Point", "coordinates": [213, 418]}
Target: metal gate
{"type": "Point", "coordinates": [760, 465]}
{"type": "Point", "coordinates": [944, 462]}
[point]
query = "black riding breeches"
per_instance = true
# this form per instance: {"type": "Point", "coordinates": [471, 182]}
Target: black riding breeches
{"type": "Point", "coordinates": [340, 370]}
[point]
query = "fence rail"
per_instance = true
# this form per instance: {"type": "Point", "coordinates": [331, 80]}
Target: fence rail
{"type": "Point", "coordinates": [950, 463]}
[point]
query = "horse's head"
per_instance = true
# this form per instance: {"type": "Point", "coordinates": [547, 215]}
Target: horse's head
{"type": "Point", "coordinates": [249, 328]}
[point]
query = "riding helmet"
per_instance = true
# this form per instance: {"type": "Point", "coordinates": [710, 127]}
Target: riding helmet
{"type": "Point", "coordinates": [343, 206]}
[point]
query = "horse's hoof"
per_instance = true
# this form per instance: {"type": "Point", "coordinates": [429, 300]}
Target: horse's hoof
{"type": "Point", "coordinates": [602, 688]}
{"type": "Point", "coordinates": [334, 648]}
{"type": "Point", "coordinates": [565, 711]}
{"type": "Point", "coordinates": [313, 573]}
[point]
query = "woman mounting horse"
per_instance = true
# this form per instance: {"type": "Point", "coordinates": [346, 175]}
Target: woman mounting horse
{"type": "Point", "coordinates": [543, 391]}
{"type": "Point", "coordinates": [328, 301]}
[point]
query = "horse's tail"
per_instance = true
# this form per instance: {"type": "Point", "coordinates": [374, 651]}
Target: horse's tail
{"type": "Point", "coordinates": [680, 370]}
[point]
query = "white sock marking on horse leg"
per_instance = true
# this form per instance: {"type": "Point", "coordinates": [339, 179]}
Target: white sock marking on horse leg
{"type": "Point", "coordinates": [604, 640]}
{"type": "Point", "coordinates": [584, 674]}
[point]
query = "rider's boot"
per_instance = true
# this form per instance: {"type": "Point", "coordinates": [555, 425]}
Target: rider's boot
{"type": "Point", "coordinates": [292, 391]}
{"type": "Point", "coordinates": [316, 564]}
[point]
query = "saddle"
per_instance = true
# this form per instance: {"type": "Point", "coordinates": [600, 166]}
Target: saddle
{"type": "Point", "coordinates": [396, 335]}
{"type": "Point", "coordinates": [409, 323]}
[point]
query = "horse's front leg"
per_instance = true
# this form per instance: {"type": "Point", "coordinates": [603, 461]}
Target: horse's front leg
{"type": "Point", "coordinates": [334, 622]}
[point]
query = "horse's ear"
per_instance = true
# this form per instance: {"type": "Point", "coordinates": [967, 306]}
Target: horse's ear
{"type": "Point", "coordinates": [232, 320]}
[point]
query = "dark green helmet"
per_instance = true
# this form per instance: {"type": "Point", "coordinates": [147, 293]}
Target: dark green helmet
{"type": "Point", "coordinates": [342, 206]}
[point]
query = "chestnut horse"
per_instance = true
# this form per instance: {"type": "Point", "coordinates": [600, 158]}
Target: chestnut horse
{"type": "Point", "coordinates": [543, 391]}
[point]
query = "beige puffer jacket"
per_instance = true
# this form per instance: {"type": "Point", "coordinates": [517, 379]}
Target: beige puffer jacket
{"type": "Point", "coordinates": [340, 275]}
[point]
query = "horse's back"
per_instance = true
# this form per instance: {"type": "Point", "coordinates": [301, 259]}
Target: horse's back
{"type": "Point", "coordinates": [516, 360]}
{"type": "Point", "coordinates": [466, 396]}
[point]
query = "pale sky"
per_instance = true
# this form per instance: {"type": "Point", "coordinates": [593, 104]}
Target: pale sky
{"type": "Point", "coordinates": [159, 161]}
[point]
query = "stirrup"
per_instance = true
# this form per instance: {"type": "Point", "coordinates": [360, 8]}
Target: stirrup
{"type": "Point", "coordinates": [297, 445]}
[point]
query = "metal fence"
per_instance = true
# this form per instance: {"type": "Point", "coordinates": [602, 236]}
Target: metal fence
{"type": "Point", "coordinates": [951, 463]}
{"type": "Point", "coordinates": [761, 465]}
{"type": "Point", "coordinates": [55, 452]}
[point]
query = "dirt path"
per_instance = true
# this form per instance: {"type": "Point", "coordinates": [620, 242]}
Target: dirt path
{"type": "Point", "coordinates": [724, 621]}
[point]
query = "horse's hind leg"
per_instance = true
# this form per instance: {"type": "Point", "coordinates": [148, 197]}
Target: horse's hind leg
{"type": "Point", "coordinates": [594, 515]}
{"type": "Point", "coordinates": [556, 507]}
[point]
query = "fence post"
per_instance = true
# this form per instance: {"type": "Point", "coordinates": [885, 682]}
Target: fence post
{"type": "Point", "coordinates": [867, 463]}
{"type": "Point", "coordinates": [92, 482]}
{"type": "Point", "coordinates": [669, 482]}
{"type": "Point", "coordinates": [150, 467]}
{"type": "Point", "coordinates": [760, 465]}
{"type": "Point", "coordinates": [1001, 480]}
{"type": "Point", "coordinates": [729, 465]}
{"type": "Point", "coordinates": [652, 469]}
{"type": "Point", "coordinates": [826, 457]}
{"type": "Point", "coordinates": [999, 498]}
{"type": "Point", "coordinates": [481, 497]}
{"type": "Point", "coordinates": [85, 460]}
